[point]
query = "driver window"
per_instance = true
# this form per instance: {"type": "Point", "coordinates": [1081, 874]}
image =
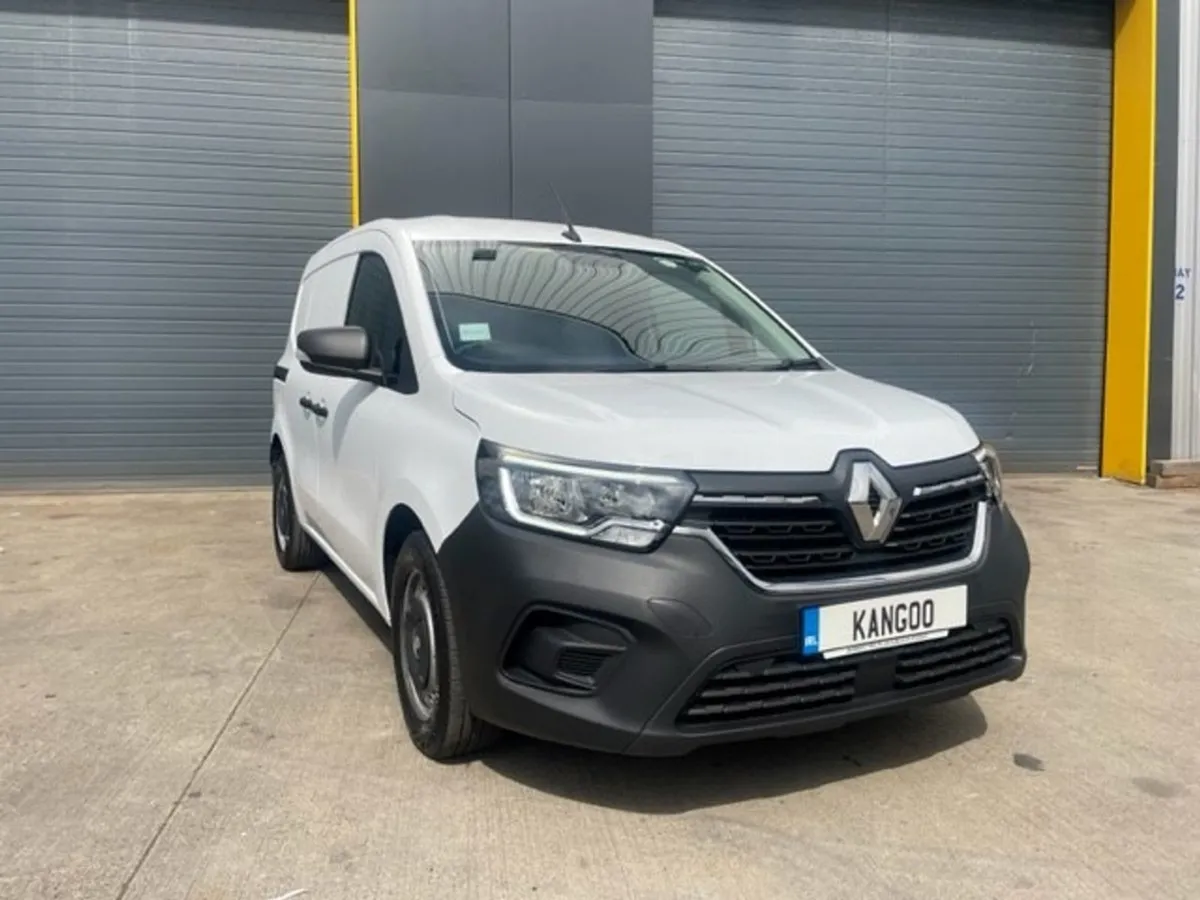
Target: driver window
{"type": "Point", "coordinates": [375, 307]}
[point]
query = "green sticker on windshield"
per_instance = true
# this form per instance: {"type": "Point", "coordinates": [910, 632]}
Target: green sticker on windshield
{"type": "Point", "coordinates": [474, 331]}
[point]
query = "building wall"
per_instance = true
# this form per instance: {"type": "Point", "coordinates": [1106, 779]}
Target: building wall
{"type": "Point", "coordinates": [1138, 401]}
{"type": "Point", "coordinates": [922, 188]}
{"type": "Point", "coordinates": [166, 168]}
{"type": "Point", "coordinates": [477, 107]}
{"type": "Point", "coordinates": [468, 106]}
{"type": "Point", "coordinates": [1185, 432]}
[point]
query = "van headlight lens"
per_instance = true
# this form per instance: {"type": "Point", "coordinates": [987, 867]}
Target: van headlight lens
{"type": "Point", "coordinates": [989, 464]}
{"type": "Point", "coordinates": [630, 508]}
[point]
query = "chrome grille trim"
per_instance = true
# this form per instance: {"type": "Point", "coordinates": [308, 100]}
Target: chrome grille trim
{"type": "Point", "coordinates": [854, 582]}
{"type": "Point", "coordinates": [762, 499]}
{"type": "Point", "coordinates": [926, 490]}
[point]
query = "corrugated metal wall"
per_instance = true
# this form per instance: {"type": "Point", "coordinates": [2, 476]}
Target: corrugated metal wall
{"type": "Point", "coordinates": [921, 186]}
{"type": "Point", "coordinates": [1185, 414]}
{"type": "Point", "coordinates": [166, 166]}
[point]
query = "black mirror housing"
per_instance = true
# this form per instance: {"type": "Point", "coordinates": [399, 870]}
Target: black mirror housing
{"type": "Point", "coordinates": [346, 347]}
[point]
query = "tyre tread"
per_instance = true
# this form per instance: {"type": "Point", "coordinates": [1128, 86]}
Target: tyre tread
{"type": "Point", "coordinates": [462, 733]}
{"type": "Point", "coordinates": [302, 553]}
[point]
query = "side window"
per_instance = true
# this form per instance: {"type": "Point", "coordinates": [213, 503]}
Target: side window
{"type": "Point", "coordinates": [325, 294]}
{"type": "Point", "coordinates": [375, 307]}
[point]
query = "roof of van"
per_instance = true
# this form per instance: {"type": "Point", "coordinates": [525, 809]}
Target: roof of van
{"type": "Point", "coordinates": [457, 228]}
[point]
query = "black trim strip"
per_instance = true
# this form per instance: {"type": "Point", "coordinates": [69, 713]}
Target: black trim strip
{"type": "Point", "coordinates": [281, 373]}
{"type": "Point", "coordinates": [832, 484]}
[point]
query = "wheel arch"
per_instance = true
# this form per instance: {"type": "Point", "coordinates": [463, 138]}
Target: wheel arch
{"type": "Point", "coordinates": [402, 521]}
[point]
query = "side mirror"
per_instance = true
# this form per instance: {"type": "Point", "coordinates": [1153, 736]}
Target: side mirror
{"type": "Point", "coordinates": [344, 350]}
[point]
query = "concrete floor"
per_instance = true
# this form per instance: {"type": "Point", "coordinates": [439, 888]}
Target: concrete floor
{"type": "Point", "coordinates": [180, 719]}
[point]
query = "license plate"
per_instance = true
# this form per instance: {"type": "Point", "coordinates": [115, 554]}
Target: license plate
{"type": "Point", "coordinates": [882, 622]}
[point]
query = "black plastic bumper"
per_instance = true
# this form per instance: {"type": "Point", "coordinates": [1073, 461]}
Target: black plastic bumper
{"type": "Point", "coordinates": [646, 631]}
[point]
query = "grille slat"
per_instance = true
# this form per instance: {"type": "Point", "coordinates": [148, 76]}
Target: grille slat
{"type": "Point", "coordinates": [958, 642]}
{"type": "Point", "coordinates": [752, 541]}
{"type": "Point", "coordinates": [961, 667]}
{"type": "Point", "coordinates": [781, 525]}
{"type": "Point", "coordinates": [775, 687]}
{"type": "Point", "coordinates": [582, 662]}
{"type": "Point", "coordinates": [960, 522]}
{"type": "Point", "coordinates": [941, 507]}
{"type": "Point", "coordinates": [778, 543]}
{"type": "Point", "coordinates": [776, 668]}
{"type": "Point", "coordinates": [697, 715]}
{"type": "Point", "coordinates": [764, 687]}
{"type": "Point", "coordinates": [964, 648]}
{"type": "Point", "coordinates": [970, 650]}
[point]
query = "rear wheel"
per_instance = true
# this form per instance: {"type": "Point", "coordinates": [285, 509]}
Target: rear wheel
{"type": "Point", "coordinates": [425, 651]}
{"type": "Point", "coordinates": [294, 549]}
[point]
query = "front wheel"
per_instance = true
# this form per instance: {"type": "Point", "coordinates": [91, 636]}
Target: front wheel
{"type": "Point", "coordinates": [294, 549]}
{"type": "Point", "coordinates": [425, 651]}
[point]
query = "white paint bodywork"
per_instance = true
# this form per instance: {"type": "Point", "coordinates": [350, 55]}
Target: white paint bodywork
{"type": "Point", "coordinates": [379, 449]}
{"type": "Point", "coordinates": [734, 422]}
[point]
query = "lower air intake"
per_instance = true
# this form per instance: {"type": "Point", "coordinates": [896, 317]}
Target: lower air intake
{"type": "Point", "coordinates": [788, 684]}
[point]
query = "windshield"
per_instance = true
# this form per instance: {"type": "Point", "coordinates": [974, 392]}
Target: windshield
{"type": "Point", "coordinates": [506, 307]}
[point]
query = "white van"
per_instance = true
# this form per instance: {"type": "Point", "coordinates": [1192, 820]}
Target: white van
{"type": "Point", "coordinates": [605, 496]}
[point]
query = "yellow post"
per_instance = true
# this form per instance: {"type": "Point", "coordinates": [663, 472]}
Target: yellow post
{"type": "Point", "coordinates": [1131, 242]}
{"type": "Point", "coordinates": [354, 162]}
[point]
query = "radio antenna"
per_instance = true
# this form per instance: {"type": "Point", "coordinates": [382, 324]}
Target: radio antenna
{"type": "Point", "coordinates": [570, 234]}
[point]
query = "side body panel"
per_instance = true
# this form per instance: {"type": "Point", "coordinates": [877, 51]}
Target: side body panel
{"type": "Point", "coordinates": [322, 293]}
{"type": "Point", "coordinates": [380, 448]}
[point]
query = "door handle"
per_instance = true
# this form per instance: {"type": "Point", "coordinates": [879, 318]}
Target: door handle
{"type": "Point", "coordinates": [317, 409]}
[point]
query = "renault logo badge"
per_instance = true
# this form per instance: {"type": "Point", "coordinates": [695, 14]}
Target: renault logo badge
{"type": "Point", "coordinates": [873, 501]}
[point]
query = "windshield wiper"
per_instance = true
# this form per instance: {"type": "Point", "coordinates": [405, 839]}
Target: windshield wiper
{"type": "Point", "coordinates": [808, 363]}
{"type": "Point", "coordinates": [784, 365]}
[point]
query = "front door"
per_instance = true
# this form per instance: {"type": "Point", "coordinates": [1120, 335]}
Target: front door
{"type": "Point", "coordinates": [307, 395]}
{"type": "Point", "coordinates": [362, 418]}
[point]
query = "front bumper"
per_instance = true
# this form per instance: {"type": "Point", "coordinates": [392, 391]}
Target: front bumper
{"type": "Point", "coordinates": [647, 632]}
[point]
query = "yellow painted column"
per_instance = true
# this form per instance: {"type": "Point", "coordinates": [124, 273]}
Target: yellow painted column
{"type": "Point", "coordinates": [1131, 242]}
{"type": "Point", "coordinates": [354, 160]}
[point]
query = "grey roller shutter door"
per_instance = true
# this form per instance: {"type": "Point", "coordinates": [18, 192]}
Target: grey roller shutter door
{"type": "Point", "coordinates": [921, 187]}
{"type": "Point", "coordinates": [166, 167]}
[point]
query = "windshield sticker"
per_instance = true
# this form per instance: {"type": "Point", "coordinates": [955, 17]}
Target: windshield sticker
{"type": "Point", "coordinates": [474, 331]}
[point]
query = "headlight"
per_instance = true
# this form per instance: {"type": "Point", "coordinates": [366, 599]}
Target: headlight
{"type": "Point", "coordinates": [989, 464]}
{"type": "Point", "coordinates": [621, 507]}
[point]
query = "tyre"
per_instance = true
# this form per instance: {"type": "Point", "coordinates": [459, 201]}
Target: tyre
{"type": "Point", "coordinates": [425, 651]}
{"type": "Point", "coordinates": [294, 549]}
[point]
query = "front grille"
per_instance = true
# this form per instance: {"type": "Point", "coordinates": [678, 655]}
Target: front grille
{"type": "Point", "coordinates": [967, 651]}
{"type": "Point", "coordinates": [766, 687]}
{"type": "Point", "coordinates": [779, 542]}
{"type": "Point", "coordinates": [769, 687]}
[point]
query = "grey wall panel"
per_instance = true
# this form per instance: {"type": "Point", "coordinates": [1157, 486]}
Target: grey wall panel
{"type": "Point", "coordinates": [433, 154]}
{"type": "Point", "coordinates": [596, 155]}
{"type": "Point", "coordinates": [1164, 309]}
{"type": "Point", "coordinates": [444, 47]}
{"type": "Point", "coordinates": [473, 107]}
{"type": "Point", "coordinates": [166, 169]}
{"type": "Point", "coordinates": [920, 186]}
{"type": "Point", "coordinates": [580, 51]}
{"type": "Point", "coordinates": [433, 108]}
{"type": "Point", "coordinates": [582, 75]}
